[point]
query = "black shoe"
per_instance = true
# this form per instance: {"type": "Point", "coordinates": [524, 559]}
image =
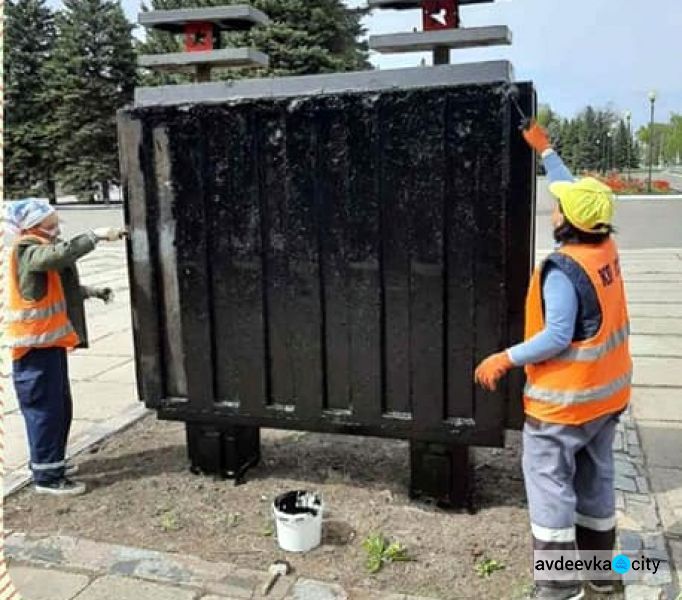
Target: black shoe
{"type": "Point", "coordinates": [555, 592]}
{"type": "Point", "coordinates": [64, 487]}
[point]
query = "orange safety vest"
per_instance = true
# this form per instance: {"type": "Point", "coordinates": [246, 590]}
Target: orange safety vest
{"type": "Point", "coordinates": [591, 378]}
{"type": "Point", "coordinates": [40, 323]}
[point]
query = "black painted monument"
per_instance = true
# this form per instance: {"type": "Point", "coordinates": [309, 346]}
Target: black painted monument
{"type": "Point", "coordinates": [331, 253]}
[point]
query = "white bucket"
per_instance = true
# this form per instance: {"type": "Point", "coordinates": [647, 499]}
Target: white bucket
{"type": "Point", "coordinates": [298, 515]}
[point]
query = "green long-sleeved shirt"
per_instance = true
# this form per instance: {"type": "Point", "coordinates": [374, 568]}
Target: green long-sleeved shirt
{"type": "Point", "coordinates": [35, 259]}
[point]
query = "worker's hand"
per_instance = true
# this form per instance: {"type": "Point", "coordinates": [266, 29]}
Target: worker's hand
{"type": "Point", "coordinates": [491, 369]}
{"type": "Point", "coordinates": [105, 294]}
{"type": "Point", "coordinates": [536, 136]}
{"type": "Point", "coordinates": [109, 234]}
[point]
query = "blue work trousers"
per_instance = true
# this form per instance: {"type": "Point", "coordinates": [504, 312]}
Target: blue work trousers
{"type": "Point", "coordinates": [41, 381]}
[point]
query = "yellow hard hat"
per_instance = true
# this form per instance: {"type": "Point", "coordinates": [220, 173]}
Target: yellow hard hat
{"type": "Point", "coordinates": [586, 203]}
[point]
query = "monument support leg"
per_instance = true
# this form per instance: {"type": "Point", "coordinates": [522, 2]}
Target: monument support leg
{"type": "Point", "coordinates": [440, 472]}
{"type": "Point", "coordinates": [225, 452]}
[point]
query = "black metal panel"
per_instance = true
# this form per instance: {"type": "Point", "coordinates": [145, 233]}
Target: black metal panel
{"type": "Point", "coordinates": [491, 167]}
{"type": "Point", "coordinates": [163, 230]}
{"type": "Point", "coordinates": [414, 267]}
{"type": "Point", "coordinates": [397, 139]}
{"type": "Point", "coordinates": [189, 163]}
{"type": "Point", "coordinates": [459, 232]}
{"type": "Point", "coordinates": [342, 261]}
{"type": "Point", "coordinates": [358, 231]}
{"type": "Point", "coordinates": [294, 300]}
{"type": "Point", "coordinates": [236, 251]}
{"type": "Point", "coordinates": [136, 158]}
{"type": "Point", "coordinates": [520, 246]}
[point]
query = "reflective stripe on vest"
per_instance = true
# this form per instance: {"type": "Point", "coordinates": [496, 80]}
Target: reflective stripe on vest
{"type": "Point", "coordinates": [600, 350]}
{"type": "Point", "coordinates": [591, 377]}
{"type": "Point", "coordinates": [34, 314]}
{"type": "Point", "coordinates": [566, 398]}
{"type": "Point", "coordinates": [44, 338]}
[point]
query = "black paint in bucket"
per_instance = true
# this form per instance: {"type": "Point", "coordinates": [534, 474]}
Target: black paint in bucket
{"type": "Point", "coordinates": [298, 502]}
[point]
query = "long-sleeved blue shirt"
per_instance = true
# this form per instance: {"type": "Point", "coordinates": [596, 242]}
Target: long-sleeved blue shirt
{"type": "Point", "coordinates": [559, 295]}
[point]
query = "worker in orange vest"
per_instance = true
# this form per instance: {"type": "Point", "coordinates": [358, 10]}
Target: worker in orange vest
{"type": "Point", "coordinates": [45, 319]}
{"type": "Point", "coordinates": [578, 371]}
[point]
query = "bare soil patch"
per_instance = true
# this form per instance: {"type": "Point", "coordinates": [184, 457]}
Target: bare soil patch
{"type": "Point", "coordinates": [142, 494]}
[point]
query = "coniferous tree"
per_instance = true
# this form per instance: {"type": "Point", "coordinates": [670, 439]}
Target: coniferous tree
{"type": "Point", "coordinates": [91, 75]}
{"type": "Point", "coordinates": [587, 153]}
{"type": "Point", "coordinates": [623, 147]}
{"type": "Point", "coordinates": [29, 157]}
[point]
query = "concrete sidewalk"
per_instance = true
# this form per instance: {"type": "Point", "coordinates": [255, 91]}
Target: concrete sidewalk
{"type": "Point", "coordinates": [65, 568]}
{"type": "Point", "coordinates": [654, 286]}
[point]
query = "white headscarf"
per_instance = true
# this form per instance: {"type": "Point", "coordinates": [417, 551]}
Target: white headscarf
{"type": "Point", "coordinates": [22, 215]}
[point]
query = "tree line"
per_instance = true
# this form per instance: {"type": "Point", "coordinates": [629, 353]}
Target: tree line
{"type": "Point", "coordinates": [67, 72]}
{"type": "Point", "coordinates": [601, 140]}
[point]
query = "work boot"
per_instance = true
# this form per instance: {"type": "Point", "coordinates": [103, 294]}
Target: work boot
{"type": "Point", "coordinates": [555, 592]}
{"type": "Point", "coordinates": [63, 487]}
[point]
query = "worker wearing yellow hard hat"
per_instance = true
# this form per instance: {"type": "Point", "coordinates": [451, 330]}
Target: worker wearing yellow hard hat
{"type": "Point", "coordinates": [587, 203]}
{"type": "Point", "coordinates": [578, 369]}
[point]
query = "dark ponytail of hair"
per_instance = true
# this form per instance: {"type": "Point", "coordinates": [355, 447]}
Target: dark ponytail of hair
{"type": "Point", "coordinates": [567, 233]}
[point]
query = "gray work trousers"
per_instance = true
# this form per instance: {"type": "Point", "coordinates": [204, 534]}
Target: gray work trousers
{"type": "Point", "coordinates": [569, 476]}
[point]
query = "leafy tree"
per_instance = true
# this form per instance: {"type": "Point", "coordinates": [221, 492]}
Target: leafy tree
{"type": "Point", "coordinates": [91, 75]}
{"type": "Point", "coordinates": [672, 146]}
{"type": "Point", "coordinates": [658, 137]}
{"type": "Point", "coordinates": [29, 156]}
{"type": "Point", "coordinates": [304, 37]}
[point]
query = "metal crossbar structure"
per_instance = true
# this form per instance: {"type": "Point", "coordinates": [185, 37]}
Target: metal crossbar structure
{"type": "Point", "coordinates": [443, 38]}
{"type": "Point", "coordinates": [407, 4]}
{"type": "Point", "coordinates": [226, 18]}
{"type": "Point", "coordinates": [201, 28]}
{"type": "Point", "coordinates": [441, 30]}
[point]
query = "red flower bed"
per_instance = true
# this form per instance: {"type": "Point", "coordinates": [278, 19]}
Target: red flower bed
{"type": "Point", "coordinates": [620, 184]}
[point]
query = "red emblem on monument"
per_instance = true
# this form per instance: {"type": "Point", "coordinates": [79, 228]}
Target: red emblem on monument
{"type": "Point", "coordinates": [439, 14]}
{"type": "Point", "coordinates": [198, 37]}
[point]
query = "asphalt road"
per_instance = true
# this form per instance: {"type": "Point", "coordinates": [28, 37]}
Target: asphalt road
{"type": "Point", "coordinates": [640, 223]}
{"type": "Point", "coordinates": [75, 219]}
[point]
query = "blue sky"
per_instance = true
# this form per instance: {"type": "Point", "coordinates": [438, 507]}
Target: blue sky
{"type": "Point", "coordinates": [577, 52]}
